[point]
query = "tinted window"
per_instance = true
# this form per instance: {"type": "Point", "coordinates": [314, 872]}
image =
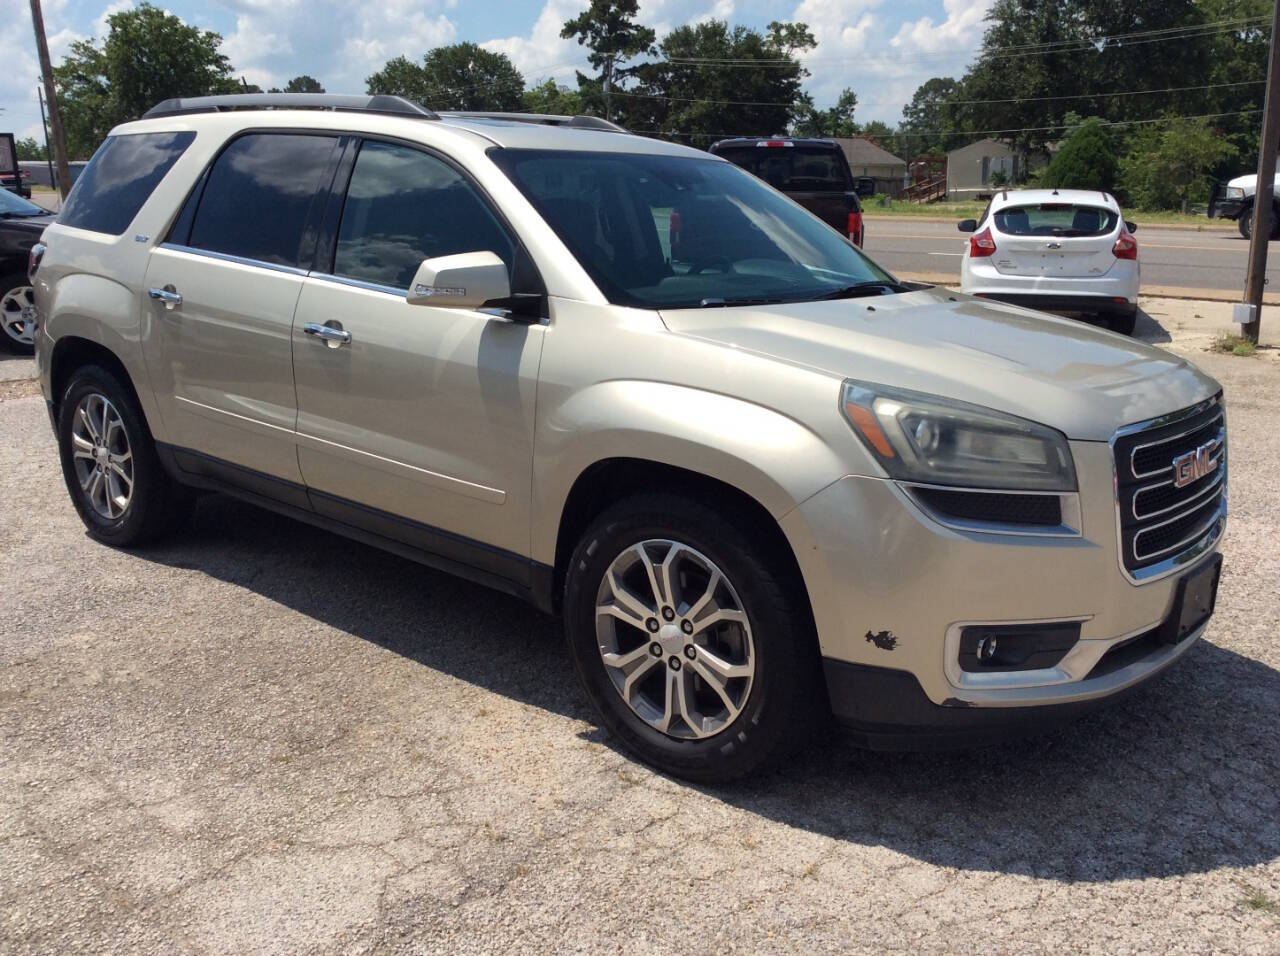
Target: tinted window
{"type": "Point", "coordinates": [795, 168]}
{"type": "Point", "coordinates": [258, 197]}
{"type": "Point", "coordinates": [664, 231]}
{"type": "Point", "coordinates": [120, 178]}
{"type": "Point", "coordinates": [404, 206]}
{"type": "Point", "coordinates": [14, 205]}
{"type": "Point", "coordinates": [1055, 219]}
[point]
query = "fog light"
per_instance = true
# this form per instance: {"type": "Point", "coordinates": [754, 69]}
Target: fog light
{"type": "Point", "coordinates": [1016, 647]}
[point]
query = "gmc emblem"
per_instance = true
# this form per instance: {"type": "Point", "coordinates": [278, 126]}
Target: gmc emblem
{"type": "Point", "coordinates": [1195, 464]}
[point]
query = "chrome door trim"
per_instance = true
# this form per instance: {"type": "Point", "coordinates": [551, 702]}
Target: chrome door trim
{"type": "Point", "coordinates": [227, 257]}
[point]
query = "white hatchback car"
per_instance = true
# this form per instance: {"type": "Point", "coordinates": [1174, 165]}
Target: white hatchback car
{"type": "Point", "coordinates": [1060, 250]}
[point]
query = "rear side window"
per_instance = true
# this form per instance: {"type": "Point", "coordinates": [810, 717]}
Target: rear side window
{"type": "Point", "coordinates": [404, 206]}
{"type": "Point", "coordinates": [120, 178]}
{"type": "Point", "coordinates": [1056, 219]}
{"type": "Point", "coordinates": [258, 197]}
{"type": "Point", "coordinates": [794, 168]}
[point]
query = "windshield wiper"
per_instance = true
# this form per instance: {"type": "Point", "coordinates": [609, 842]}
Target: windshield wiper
{"type": "Point", "coordinates": [717, 303]}
{"type": "Point", "coordinates": [858, 289]}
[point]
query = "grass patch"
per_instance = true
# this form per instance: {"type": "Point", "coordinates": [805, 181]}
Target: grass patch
{"type": "Point", "coordinates": [1235, 345]}
{"type": "Point", "coordinates": [1260, 902]}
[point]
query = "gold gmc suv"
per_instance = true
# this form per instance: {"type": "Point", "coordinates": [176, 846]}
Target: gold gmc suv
{"type": "Point", "coordinates": [763, 482]}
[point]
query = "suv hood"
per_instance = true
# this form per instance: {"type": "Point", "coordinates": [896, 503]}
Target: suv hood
{"type": "Point", "coordinates": [1083, 381]}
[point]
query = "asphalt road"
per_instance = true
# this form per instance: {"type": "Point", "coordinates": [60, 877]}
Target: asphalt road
{"type": "Point", "coordinates": [258, 737]}
{"type": "Point", "coordinates": [1170, 258]}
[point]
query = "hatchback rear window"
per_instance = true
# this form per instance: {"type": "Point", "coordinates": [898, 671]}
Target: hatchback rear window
{"type": "Point", "coordinates": [794, 168]}
{"type": "Point", "coordinates": [120, 178]}
{"type": "Point", "coordinates": [1055, 219]}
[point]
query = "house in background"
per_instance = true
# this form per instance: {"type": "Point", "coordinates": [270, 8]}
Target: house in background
{"type": "Point", "coordinates": [969, 168]}
{"type": "Point", "coordinates": [868, 159]}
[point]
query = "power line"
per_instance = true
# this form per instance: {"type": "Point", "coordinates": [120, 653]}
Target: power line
{"type": "Point", "coordinates": [983, 132]}
{"type": "Point", "coordinates": [1082, 44]}
{"type": "Point", "coordinates": [1016, 99]}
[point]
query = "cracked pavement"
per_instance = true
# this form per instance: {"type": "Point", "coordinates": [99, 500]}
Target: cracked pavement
{"type": "Point", "coordinates": [260, 737]}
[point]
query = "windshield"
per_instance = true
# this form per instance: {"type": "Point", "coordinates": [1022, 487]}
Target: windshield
{"type": "Point", "coordinates": [1055, 219]}
{"type": "Point", "coordinates": [14, 205]}
{"type": "Point", "coordinates": [793, 168]}
{"type": "Point", "coordinates": [673, 232]}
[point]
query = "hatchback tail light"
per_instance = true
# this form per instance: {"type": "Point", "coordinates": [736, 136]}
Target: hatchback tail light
{"type": "Point", "coordinates": [1126, 247]}
{"type": "Point", "coordinates": [981, 245]}
{"type": "Point", "coordinates": [33, 260]}
{"type": "Point", "coordinates": [855, 228]}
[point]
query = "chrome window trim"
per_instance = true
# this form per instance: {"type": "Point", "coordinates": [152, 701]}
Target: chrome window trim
{"type": "Point", "coordinates": [228, 257]}
{"type": "Point", "coordinates": [1210, 536]}
{"type": "Point", "coordinates": [359, 284]}
{"type": "Point", "coordinates": [1072, 525]}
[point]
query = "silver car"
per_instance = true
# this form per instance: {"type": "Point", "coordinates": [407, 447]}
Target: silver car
{"type": "Point", "coordinates": [762, 482]}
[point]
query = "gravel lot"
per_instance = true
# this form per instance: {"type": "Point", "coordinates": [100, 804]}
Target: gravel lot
{"type": "Point", "coordinates": [265, 738]}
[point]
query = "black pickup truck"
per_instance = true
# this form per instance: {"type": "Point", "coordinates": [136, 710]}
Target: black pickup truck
{"type": "Point", "coordinates": [813, 172]}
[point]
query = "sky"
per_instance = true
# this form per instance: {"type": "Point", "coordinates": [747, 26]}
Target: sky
{"type": "Point", "coordinates": [882, 49]}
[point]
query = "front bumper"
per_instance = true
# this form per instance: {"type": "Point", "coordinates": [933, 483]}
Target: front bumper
{"type": "Point", "coordinates": [892, 589]}
{"type": "Point", "coordinates": [1222, 207]}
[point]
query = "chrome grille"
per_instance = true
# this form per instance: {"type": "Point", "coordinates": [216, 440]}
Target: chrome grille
{"type": "Point", "coordinates": [1163, 525]}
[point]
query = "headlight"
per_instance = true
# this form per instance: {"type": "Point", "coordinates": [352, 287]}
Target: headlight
{"type": "Point", "coordinates": [1234, 192]}
{"type": "Point", "coordinates": [937, 441]}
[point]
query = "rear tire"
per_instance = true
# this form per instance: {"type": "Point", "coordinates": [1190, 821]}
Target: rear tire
{"type": "Point", "coordinates": [663, 649]}
{"type": "Point", "coordinates": [1123, 323]}
{"type": "Point", "coordinates": [116, 482]}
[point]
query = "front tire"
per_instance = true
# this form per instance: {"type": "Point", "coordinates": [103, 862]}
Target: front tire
{"type": "Point", "coordinates": [694, 651]}
{"type": "Point", "coordinates": [115, 479]}
{"type": "Point", "coordinates": [1245, 222]}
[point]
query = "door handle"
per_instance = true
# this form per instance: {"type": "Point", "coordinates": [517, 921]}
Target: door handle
{"type": "Point", "coordinates": [328, 334]}
{"type": "Point", "coordinates": [168, 295]}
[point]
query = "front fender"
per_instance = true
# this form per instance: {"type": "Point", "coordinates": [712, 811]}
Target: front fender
{"type": "Point", "coordinates": [775, 459]}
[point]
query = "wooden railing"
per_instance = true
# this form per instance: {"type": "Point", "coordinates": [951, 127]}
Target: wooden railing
{"type": "Point", "coordinates": [928, 191]}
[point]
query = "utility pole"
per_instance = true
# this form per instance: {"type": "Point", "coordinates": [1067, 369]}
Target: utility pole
{"type": "Point", "coordinates": [608, 86]}
{"type": "Point", "coordinates": [1264, 193]}
{"type": "Point", "coordinates": [51, 96]}
{"type": "Point", "coordinates": [44, 124]}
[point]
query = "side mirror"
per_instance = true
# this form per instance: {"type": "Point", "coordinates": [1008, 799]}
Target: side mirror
{"type": "Point", "coordinates": [465, 281]}
{"type": "Point", "coordinates": [864, 186]}
{"type": "Point", "coordinates": [1131, 226]}
{"type": "Point", "coordinates": [967, 225]}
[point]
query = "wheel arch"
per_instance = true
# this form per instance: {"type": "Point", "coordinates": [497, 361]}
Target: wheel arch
{"type": "Point", "coordinates": [608, 481]}
{"type": "Point", "coordinates": [72, 352]}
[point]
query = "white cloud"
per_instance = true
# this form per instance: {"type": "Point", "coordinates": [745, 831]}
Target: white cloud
{"type": "Point", "coordinates": [961, 30]}
{"type": "Point", "coordinates": [543, 53]}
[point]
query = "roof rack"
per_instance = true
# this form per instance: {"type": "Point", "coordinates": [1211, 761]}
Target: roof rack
{"type": "Point", "coordinates": [542, 119]}
{"type": "Point", "coordinates": [391, 105]}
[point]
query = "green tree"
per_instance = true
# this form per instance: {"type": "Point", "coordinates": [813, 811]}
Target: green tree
{"type": "Point", "coordinates": [551, 97]}
{"type": "Point", "coordinates": [1167, 163]}
{"type": "Point", "coordinates": [461, 76]}
{"type": "Point", "coordinates": [300, 84]}
{"type": "Point", "coordinates": [834, 121]}
{"type": "Point", "coordinates": [148, 56]}
{"type": "Point", "coordinates": [682, 97]}
{"type": "Point", "coordinates": [29, 148]}
{"type": "Point", "coordinates": [1086, 159]}
{"type": "Point", "coordinates": [932, 122]}
{"type": "Point", "coordinates": [608, 28]}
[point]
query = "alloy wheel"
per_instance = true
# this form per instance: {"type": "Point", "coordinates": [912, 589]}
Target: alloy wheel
{"type": "Point", "coordinates": [102, 456]}
{"type": "Point", "coordinates": [18, 314]}
{"type": "Point", "coordinates": [675, 639]}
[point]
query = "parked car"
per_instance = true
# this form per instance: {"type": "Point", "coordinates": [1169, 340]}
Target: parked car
{"type": "Point", "coordinates": [758, 479]}
{"type": "Point", "coordinates": [19, 183]}
{"type": "Point", "coordinates": [1235, 199]}
{"type": "Point", "coordinates": [813, 172]}
{"type": "Point", "coordinates": [21, 223]}
{"type": "Point", "coordinates": [1060, 250]}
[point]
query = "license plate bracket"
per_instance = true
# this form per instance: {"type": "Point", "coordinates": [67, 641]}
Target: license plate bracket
{"type": "Point", "coordinates": [1193, 602]}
